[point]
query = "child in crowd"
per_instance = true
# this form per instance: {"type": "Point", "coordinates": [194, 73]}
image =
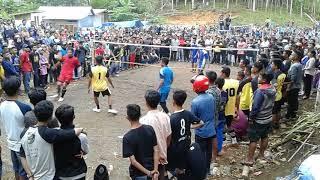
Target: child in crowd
{"type": "Point", "coordinates": [260, 123]}
{"type": "Point", "coordinates": [143, 153]}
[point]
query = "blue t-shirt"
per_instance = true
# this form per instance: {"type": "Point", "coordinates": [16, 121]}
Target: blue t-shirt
{"type": "Point", "coordinates": [194, 52]}
{"type": "Point", "coordinates": [166, 74]}
{"type": "Point", "coordinates": [203, 107]}
{"type": "Point", "coordinates": [204, 56]}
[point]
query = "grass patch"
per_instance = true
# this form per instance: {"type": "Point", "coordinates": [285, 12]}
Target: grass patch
{"type": "Point", "coordinates": [246, 16]}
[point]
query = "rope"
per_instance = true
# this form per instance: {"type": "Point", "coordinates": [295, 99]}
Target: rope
{"type": "Point", "coordinates": [176, 47]}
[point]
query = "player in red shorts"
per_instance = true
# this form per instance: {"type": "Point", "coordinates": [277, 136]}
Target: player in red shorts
{"type": "Point", "coordinates": [66, 75]}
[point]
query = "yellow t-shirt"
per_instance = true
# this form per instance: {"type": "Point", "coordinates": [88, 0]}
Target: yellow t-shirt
{"type": "Point", "coordinates": [231, 87]}
{"type": "Point", "coordinates": [246, 97]}
{"type": "Point", "coordinates": [1, 73]}
{"type": "Point", "coordinates": [99, 81]}
{"type": "Point", "coordinates": [279, 86]}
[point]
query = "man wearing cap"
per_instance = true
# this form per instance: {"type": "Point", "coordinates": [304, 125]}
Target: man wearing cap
{"type": "Point", "coordinates": [26, 67]}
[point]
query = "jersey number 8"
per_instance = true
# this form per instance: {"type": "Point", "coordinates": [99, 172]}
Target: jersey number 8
{"type": "Point", "coordinates": [183, 127]}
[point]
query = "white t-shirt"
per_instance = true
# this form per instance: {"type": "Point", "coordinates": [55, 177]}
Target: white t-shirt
{"type": "Point", "coordinates": [161, 126]}
{"type": "Point", "coordinates": [12, 118]}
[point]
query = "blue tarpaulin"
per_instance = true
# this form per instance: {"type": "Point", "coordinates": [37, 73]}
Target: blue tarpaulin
{"type": "Point", "coordinates": [124, 24]}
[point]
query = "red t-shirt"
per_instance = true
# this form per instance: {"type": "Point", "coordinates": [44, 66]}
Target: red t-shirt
{"type": "Point", "coordinates": [69, 64]}
{"type": "Point", "coordinates": [26, 65]}
{"type": "Point", "coordinates": [99, 52]}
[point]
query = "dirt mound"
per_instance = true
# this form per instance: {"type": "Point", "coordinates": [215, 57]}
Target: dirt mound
{"type": "Point", "coordinates": [193, 18]}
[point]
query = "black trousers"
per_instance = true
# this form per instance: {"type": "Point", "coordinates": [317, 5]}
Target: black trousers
{"type": "Point", "coordinates": [206, 145]}
{"type": "Point", "coordinates": [293, 103]}
{"type": "Point", "coordinates": [217, 57]}
{"type": "Point", "coordinates": [307, 81]}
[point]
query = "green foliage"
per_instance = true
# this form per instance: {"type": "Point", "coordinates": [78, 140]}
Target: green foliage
{"type": "Point", "coordinates": [125, 11]}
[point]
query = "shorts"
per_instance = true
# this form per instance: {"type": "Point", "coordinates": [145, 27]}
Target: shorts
{"type": "Point", "coordinates": [104, 93]}
{"type": "Point", "coordinates": [229, 120]}
{"type": "Point", "coordinates": [277, 107]}
{"type": "Point", "coordinates": [65, 78]}
{"type": "Point", "coordinates": [194, 60]}
{"type": "Point", "coordinates": [258, 131]}
{"type": "Point", "coordinates": [16, 163]}
{"type": "Point", "coordinates": [164, 97]}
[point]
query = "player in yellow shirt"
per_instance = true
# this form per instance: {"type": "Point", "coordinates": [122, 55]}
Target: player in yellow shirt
{"type": "Point", "coordinates": [231, 87]}
{"type": "Point", "coordinates": [98, 82]}
{"type": "Point", "coordinates": [278, 81]}
{"type": "Point", "coordinates": [245, 93]}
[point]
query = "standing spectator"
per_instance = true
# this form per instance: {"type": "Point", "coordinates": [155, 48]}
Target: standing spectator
{"type": "Point", "coordinates": [143, 154]}
{"type": "Point", "coordinates": [261, 118]}
{"type": "Point", "coordinates": [43, 63]}
{"type": "Point", "coordinates": [231, 87]}
{"type": "Point", "coordinates": [309, 72]}
{"type": "Point", "coordinates": [174, 49]}
{"type": "Point", "coordinates": [69, 160]}
{"type": "Point", "coordinates": [181, 123]}
{"type": "Point", "coordinates": [203, 107]}
{"type": "Point", "coordinates": [35, 96]}
{"type": "Point", "coordinates": [241, 53]}
{"type": "Point", "coordinates": [26, 67]}
{"type": "Point", "coordinates": [12, 113]}
{"type": "Point", "coordinates": [161, 125]}
{"type": "Point", "coordinates": [295, 76]}
{"type": "Point", "coordinates": [35, 58]}
{"type": "Point", "coordinates": [80, 53]}
{"type": "Point", "coordinates": [278, 81]}
{"type": "Point", "coordinates": [36, 152]}
{"type": "Point", "coordinates": [227, 22]}
{"type": "Point", "coordinates": [8, 67]}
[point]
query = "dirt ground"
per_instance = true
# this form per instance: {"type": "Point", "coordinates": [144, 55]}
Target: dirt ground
{"type": "Point", "coordinates": [194, 18]}
{"type": "Point", "coordinates": [105, 130]}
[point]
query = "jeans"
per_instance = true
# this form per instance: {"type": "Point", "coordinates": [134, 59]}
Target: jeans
{"type": "Point", "coordinates": [293, 103]}
{"type": "Point", "coordinates": [36, 78]}
{"type": "Point", "coordinates": [26, 81]}
{"type": "Point", "coordinates": [113, 69]}
{"type": "Point", "coordinates": [16, 162]}
{"type": "Point", "coordinates": [206, 146]}
{"type": "Point", "coordinates": [124, 64]}
{"type": "Point", "coordinates": [141, 178]}
{"type": "Point", "coordinates": [219, 130]}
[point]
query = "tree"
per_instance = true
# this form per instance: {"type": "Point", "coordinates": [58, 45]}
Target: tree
{"type": "Point", "coordinates": [254, 5]}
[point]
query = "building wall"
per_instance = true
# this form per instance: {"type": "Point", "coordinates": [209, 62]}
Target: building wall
{"type": "Point", "coordinates": [66, 24]}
